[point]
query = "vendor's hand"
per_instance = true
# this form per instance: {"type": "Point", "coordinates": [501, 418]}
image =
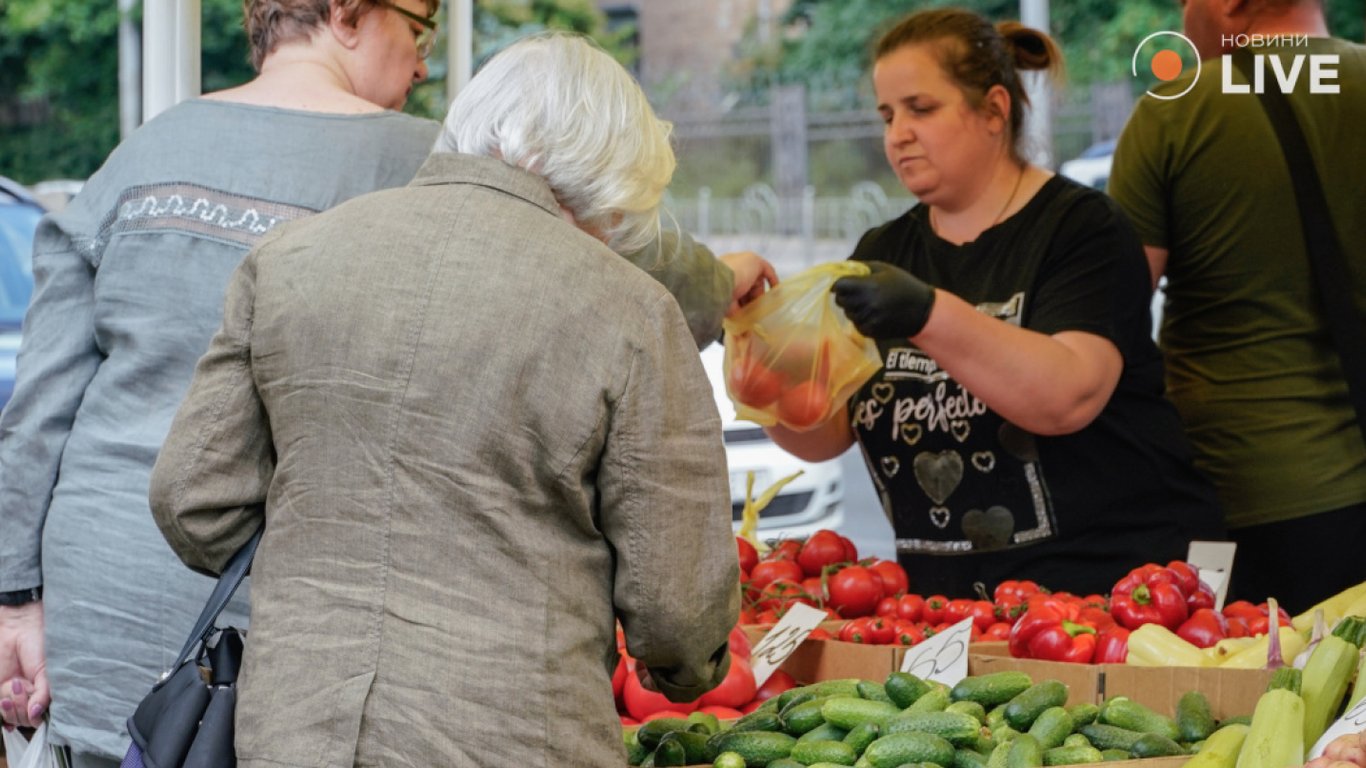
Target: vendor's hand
{"type": "Point", "coordinates": [888, 303]}
{"type": "Point", "coordinates": [23, 667]}
{"type": "Point", "coordinates": [753, 276]}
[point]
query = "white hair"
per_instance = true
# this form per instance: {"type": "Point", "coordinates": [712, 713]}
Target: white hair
{"type": "Point", "coordinates": [558, 106]}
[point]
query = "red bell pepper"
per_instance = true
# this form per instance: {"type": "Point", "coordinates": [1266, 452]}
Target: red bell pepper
{"type": "Point", "coordinates": [1204, 628]}
{"type": "Point", "coordinates": [1198, 594]}
{"type": "Point", "coordinates": [1148, 595]}
{"type": "Point", "coordinates": [1112, 645]}
{"type": "Point", "coordinates": [1044, 632]}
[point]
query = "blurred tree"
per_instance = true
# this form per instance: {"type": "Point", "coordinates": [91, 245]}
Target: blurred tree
{"type": "Point", "coordinates": [59, 115]}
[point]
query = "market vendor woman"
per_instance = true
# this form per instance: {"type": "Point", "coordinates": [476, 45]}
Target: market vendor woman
{"type": "Point", "coordinates": [1017, 428]}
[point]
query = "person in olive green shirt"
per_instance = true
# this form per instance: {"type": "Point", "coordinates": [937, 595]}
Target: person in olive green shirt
{"type": "Point", "coordinates": [1249, 363]}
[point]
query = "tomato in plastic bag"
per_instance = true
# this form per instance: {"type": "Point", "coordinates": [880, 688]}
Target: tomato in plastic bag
{"type": "Point", "coordinates": [792, 356]}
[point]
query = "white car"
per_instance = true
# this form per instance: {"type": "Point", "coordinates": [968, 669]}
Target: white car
{"type": "Point", "coordinates": [1092, 166]}
{"type": "Point", "coordinates": [813, 501]}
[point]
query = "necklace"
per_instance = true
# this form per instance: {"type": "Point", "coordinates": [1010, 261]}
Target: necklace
{"type": "Point", "coordinates": [934, 221]}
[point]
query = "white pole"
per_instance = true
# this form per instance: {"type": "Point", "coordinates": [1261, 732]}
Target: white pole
{"type": "Point", "coordinates": [1039, 123]}
{"type": "Point", "coordinates": [170, 54]}
{"type": "Point", "coordinates": [130, 70]}
{"type": "Point", "coordinates": [459, 46]}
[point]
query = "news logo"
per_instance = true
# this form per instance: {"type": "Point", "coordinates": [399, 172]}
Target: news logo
{"type": "Point", "coordinates": [1166, 54]}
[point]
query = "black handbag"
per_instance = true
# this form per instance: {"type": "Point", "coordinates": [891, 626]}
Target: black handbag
{"type": "Point", "coordinates": [186, 721]}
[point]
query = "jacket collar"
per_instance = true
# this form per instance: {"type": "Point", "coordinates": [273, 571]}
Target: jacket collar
{"type": "Point", "coordinates": [451, 168]}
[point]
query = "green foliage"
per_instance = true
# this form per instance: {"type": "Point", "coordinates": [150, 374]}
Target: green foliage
{"type": "Point", "coordinates": [59, 113]}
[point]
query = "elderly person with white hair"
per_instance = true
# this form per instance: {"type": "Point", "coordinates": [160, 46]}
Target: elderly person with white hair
{"type": "Point", "coordinates": [476, 437]}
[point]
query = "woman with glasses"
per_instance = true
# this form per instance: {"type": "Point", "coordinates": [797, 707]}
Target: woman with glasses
{"type": "Point", "coordinates": [129, 288]}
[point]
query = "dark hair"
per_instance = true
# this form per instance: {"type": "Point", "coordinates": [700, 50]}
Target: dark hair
{"type": "Point", "coordinates": [977, 55]}
{"type": "Point", "coordinates": [269, 23]}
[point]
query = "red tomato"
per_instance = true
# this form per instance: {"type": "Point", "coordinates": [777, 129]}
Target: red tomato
{"type": "Point", "coordinates": [722, 713]}
{"type": "Point", "coordinates": [786, 549]}
{"type": "Point", "coordinates": [752, 383]}
{"type": "Point", "coordinates": [998, 631]}
{"type": "Point", "coordinates": [894, 580]}
{"type": "Point", "coordinates": [750, 707]}
{"type": "Point", "coordinates": [818, 633]}
{"type": "Point", "coordinates": [736, 689]}
{"type": "Point", "coordinates": [983, 613]}
{"type": "Point", "coordinates": [957, 610]}
{"type": "Point", "coordinates": [813, 587]}
{"type": "Point", "coordinates": [749, 556]}
{"type": "Point", "coordinates": [854, 591]}
{"type": "Point", "coordinates": [768, 571]}
{"type": "Point", "coordinates": [908, 632]}
{"type": "Point", "coordinates": [850, 551]}
{"type": "Point", "coordinates": [910, 607]}
{"type": "Point", "coordinates": [803, 405]}
{"type": "Point", "coordinates": [739, 643]}
{"type": "Point", "coordinates": [856, 631]}
{"type": "Point", "coordinates": [626, 720]}
{"type": "Point", "coordinates": [887, 607]}
{"type": "Point", "coordinates": [933, 612]}
{"type": "Point", "coordinates": [776, 683]}
{"type": "Point", "coordinates": [780, 593]}
{"type": "Point", "coordinates": [746, 615]}
{"type": "Point", "coordinates": [881, 631]}
{"type": "Point", "coordinates": [822, 549]}
{"type": "Point", "coordinates": [641, 703]}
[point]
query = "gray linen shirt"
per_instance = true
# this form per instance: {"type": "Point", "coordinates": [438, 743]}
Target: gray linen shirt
{"type": "Point", "coordinates": [129, 289]}
{"type": "Point", "coordinates": [476, 436]}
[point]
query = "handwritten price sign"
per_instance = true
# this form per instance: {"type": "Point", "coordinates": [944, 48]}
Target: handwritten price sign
{"type": "Point", "coordinates": [783, 639]}
{"type": "Point", "coordinates": [1352, 722]}
{"type": "Point", "coordinates": [942, 658]}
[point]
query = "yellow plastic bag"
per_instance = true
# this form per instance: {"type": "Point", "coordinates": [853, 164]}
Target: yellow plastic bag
{"type": "Point", "coordinates": [792, 356]}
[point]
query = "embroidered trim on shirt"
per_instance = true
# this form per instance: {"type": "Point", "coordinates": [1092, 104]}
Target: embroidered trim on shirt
{"type": "Point", "coordinates": [196, 210]}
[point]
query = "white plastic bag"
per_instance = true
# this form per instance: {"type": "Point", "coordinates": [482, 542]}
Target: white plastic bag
{"type": "Point", "coordinates": [30, 753]}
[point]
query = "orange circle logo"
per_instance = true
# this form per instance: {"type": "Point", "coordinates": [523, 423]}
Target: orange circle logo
{"type": "Point", "coordinates": [1166, 63]}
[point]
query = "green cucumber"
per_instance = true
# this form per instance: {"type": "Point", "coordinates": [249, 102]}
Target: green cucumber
{"type": "Point", "coordinates": [904, 688]}
{"type": "Point", "coordinates": [936, 700]}
{"type": "Point", "coordinates": [1075, 740]}
{"type": "Point", "coordinates": [1024, 753]}
{"type": "Point", "coordinates": [1073, 755]}
{"type": "Point", "coordinates": [1022, 710]}
{"type": "Point", "coordinates": [730, 760]}
{"type": "Point", "coordinates": [1113, 755]}
{"type": "Point", "coordinates": [860, 736]}
{"type": "Point", "coordinates": [895, 749]}
{"type": "Point", "coordinates": [1194, 721]}
{"type": "Point", "coordinates": [967, 758]}
{"type": "Point", "coordinates": [823, 732]}
{"type": "Point", "coordinates": [803, 717]}
{"type": "Point", "coordinates": [1083, 713]}
{"type": "Point", "coordinates": [872, 691]}
{"type": "Point", "coordinates": [1155, 745]}
{"type": "Point", "coordinates": [1051, 727]}
{"type": "Point", "coordinates": [758, 748]}
{"type": "Point", "coordinates": [850, 712]}
{"type": "Point", "coordinates": [836, 752]}
{"type": "Point", "coordinates": [670, 752]}
{"type": "Point", "coordinates": [1123, 712]}
{"type": "Point", "coordinates": [970, 708]}
{"type": "Point", "coordinates": [954, 727]}
{"type": "Point", "coordinates": [1105, 737]}
{"type": "Point", "coordinates": [992, 689]}
{"type": "Point", "coordinates": [650, 734]}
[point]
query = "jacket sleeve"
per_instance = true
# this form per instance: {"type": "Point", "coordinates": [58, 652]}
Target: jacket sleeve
{"type": "Point", "coordinates": [665, 504]}
{"type": "Point", "coordinates": [57, 359]}
{"type": "Point", "coordinates": [699, 282]}
{"type": "Point", "coordinates": [208, 488]}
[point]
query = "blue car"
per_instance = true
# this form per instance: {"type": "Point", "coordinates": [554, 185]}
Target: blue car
{"type": "Point", "coordinates": [19, 215]}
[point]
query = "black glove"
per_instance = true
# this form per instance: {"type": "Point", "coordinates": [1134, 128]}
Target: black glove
{"type": "Point", "coordinates": [889, 303]}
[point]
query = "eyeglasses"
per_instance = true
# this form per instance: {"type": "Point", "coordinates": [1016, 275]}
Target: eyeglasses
{"type": "Point", "coordinates": [427, 37]}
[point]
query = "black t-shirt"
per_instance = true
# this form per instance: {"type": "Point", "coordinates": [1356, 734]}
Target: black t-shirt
{"type": "Point", "coordinates": [973, 497]}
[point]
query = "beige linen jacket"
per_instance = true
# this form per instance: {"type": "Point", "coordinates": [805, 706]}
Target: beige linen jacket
{"type": "Point", "coordinates": [476, 436]}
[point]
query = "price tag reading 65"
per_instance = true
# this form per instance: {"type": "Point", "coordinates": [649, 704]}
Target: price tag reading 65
{"type": "Point", "coordinates": [783, 639]}
{"type": "Point", "coordinates": [942, 658]}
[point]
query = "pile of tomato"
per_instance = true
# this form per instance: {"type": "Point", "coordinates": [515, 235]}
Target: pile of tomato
{"type": "Point", "coordinates": [824, 571]}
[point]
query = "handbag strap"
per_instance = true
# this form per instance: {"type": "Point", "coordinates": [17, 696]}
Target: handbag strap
{"type": "Point", "coordinates": [1327, 262]}
{"type": "Point", "coordinates": [236, 570]}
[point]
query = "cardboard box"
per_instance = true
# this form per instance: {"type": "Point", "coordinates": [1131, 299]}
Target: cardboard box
{"type": "Point", "coordinates": [817, 660]}
{"type": "Point", "coordinates": [1231, 692]}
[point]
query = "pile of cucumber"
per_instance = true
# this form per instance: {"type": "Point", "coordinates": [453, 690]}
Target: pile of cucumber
{"type": "Point", "coordinates": [1000, 720]}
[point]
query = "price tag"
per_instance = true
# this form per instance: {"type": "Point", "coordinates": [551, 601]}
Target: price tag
{"type": "Point", "coordinates": [1215, 561]}
{"type": "Point", "coordinates": [1352, 722]}
{"type": "Point", "coordinates": [942, 658]}
{"type": "Point", "coordinates": [799, 621]}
